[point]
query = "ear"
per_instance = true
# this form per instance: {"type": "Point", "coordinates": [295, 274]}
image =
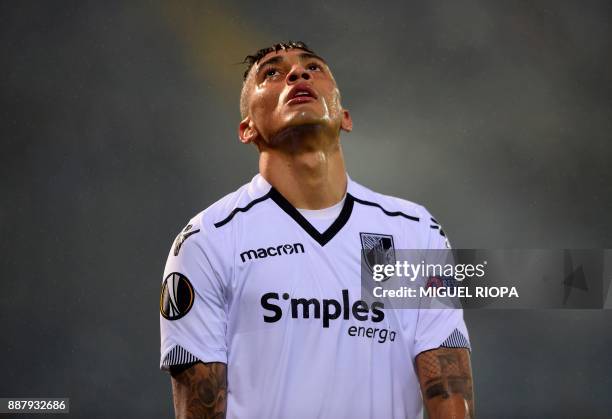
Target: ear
{"type": "Point", "coordinates": [246, 131]}
{"type": "Point", "coordinates": [347, 121]}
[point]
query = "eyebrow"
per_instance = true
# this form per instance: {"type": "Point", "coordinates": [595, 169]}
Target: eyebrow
{"type": "Point", "coordinates": [278, 59]}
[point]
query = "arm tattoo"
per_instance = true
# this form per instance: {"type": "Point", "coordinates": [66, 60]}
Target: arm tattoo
{"type": "Point", "coordinates": [445, 374]}
{"type": "Point", "coordinates": [200, 390]}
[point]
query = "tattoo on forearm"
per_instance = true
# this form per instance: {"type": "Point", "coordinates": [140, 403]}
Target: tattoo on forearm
{"type": "Point", "coordinates": [445, 372]}
{"type": "Point", "coordinates": [200, 391]}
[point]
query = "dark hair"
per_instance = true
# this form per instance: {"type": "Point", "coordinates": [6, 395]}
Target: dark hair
{"type": "Point", "coordinates": [251, 60]}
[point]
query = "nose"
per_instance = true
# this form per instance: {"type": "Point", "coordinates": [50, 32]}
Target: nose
{"type": "Point", "coordinates": [297, 72]}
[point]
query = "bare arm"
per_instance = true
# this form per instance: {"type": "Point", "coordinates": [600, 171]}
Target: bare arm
{"type": "Point", "coordinates": [445, 375]}
{"type": "Point", "coordinates": [200, 390]}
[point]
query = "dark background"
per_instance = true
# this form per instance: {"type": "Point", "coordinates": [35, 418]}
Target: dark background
{"type": "Point", "coordinates": [119, 124]}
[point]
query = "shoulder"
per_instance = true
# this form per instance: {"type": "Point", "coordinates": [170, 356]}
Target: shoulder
{"type": "Point", "coordinates": [390, 205]}
{"type": "Point", "coordinates": [223, 210]}
{"type": "Point", "coordinates": [203, 240]}
{"type": "Point", "coordinates": [403, 208]}
{"type": "Point", "coordinates": [211, 220]}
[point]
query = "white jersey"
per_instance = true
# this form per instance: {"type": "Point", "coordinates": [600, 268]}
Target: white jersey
{"type": "Point", "coordinates": [250, 282]}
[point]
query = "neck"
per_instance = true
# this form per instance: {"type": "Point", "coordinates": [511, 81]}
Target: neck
{"type": "Point", "coordinates": [307, 169]}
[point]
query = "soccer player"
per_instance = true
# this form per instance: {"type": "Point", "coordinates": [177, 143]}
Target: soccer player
{"type": "Point", "coordinates": [261, 314]}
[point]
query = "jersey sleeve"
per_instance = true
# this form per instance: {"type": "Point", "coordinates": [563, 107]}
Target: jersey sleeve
{"type": "Point", "coordinates": [193, 317]}
{"type": "Point", "coordinates": [442, 327]}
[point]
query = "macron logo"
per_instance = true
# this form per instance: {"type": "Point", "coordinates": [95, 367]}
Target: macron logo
{"type": "Point", "coordinates": [262, 252]}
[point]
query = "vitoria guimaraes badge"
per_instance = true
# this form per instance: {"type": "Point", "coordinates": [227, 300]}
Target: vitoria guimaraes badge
{"type": "Point", "coordinates": [378, 249]}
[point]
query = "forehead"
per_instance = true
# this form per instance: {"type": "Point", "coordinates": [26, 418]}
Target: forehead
{"type": "Point", "coordinates": [287, 53]}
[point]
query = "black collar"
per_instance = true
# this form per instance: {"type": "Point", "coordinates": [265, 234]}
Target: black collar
{"type": "Point", "coordinates": [327, 235]}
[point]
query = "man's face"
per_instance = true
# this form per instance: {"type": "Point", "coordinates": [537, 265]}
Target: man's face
{"type": "Point", "coordinates": [292, 88]}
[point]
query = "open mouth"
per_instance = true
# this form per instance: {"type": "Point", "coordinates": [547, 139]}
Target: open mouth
{"type": "Point", "coordinates": [301, 93]}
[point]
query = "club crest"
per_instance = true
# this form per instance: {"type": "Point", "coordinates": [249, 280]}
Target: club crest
{"type": "Point", "coordinates": [378, 249]}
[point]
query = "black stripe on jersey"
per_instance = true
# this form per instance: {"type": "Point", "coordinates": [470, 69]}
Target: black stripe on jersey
{"type": "Point", "coordinates": [243, 209]}
{"type": "Point", "coordinates": [327, 235]}
{"type": "Point", "coordinates": [389, 213]}
{"type": "Point", "coordinates": [456, 340]}
{"type": "Point", "coordinates": [178, 356]}
{"type": "Point", "coordinates": [437, 227]}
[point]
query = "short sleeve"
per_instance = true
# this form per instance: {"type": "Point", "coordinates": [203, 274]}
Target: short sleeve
{"type": "Point", "coordinates": [442, 327]}
{"type": "Point", "coordinates": [193, 317]}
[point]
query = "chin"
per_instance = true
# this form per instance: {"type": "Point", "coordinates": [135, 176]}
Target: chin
{"type": "Point", "coordinates": [296, 129]}
{"type": "Point", "coordinates": [304, 117]}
